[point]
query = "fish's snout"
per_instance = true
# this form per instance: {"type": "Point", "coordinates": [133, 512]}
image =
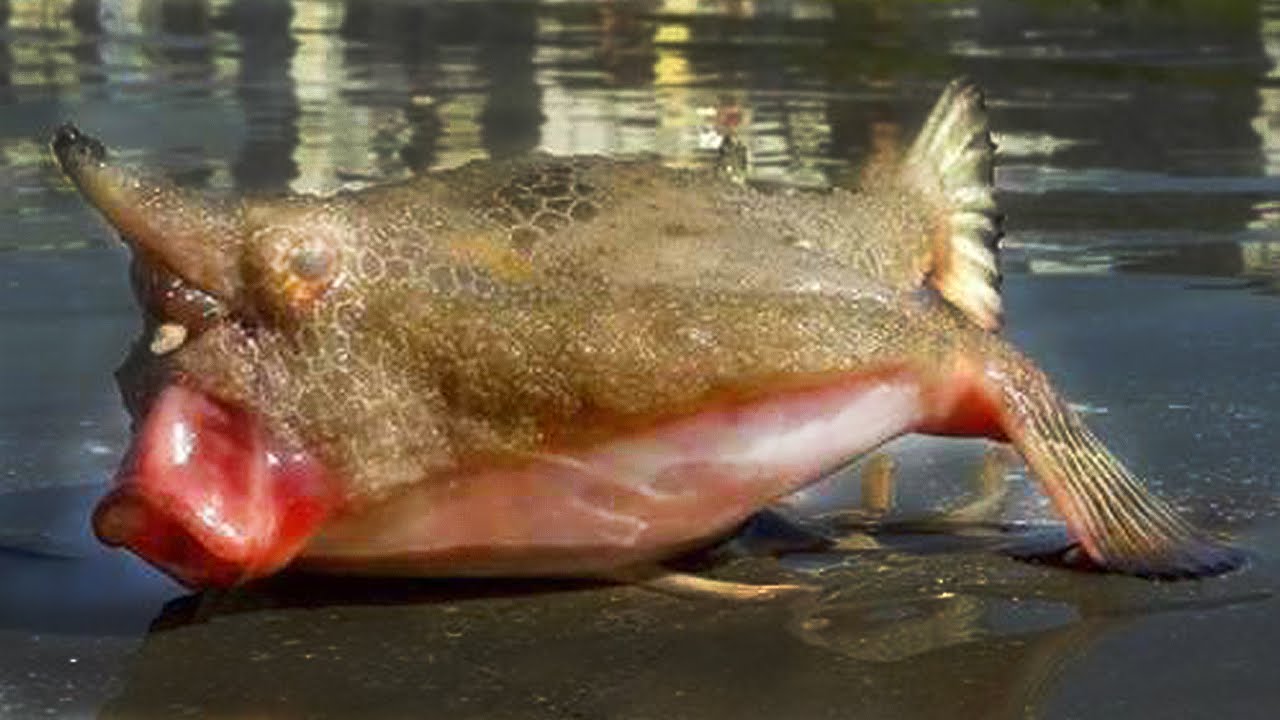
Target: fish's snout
{"type": "Point", "coordinates": [207, 495]}
{"type": "Point", "coordinates": [73, 148]}
{"type": "Point", "coordinates": [195, 238]}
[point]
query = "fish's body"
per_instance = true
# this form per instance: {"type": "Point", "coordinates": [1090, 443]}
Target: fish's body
{"type": "Point", "coordinates": [573, 366]}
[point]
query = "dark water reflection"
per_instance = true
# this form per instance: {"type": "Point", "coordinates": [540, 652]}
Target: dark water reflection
{"type": "Point", "coordinates": [899, 637]}
{"type": "Point", "coordinates": [1140, 168]}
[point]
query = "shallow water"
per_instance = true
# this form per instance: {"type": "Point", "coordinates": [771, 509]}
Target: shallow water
{"type": "Point", "coordinates": [1140, 172]}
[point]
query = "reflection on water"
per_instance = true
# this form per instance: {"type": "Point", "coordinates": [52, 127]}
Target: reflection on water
{"type": "Point", "coordinates": [1136, 138]}
{"type": "Point", "coordinates": [1255, 262]}
{"type": "Point", "coordinates": [898, 637]}
{"type": "Point", "coordinates": [314, 95]}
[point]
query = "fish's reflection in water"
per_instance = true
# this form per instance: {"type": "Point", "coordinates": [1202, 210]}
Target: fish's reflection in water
{"type": "Point", "coordinates": [887, 639]}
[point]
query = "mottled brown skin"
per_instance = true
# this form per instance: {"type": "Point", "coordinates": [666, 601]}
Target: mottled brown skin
{"type": "Point", "coordinates": [453, 320]}
{"type": "Point", "coordinates": [636, 222]}
{"type": "Point", "coordinates": [501, 310]}
{"type": "Point", "coordinates": [423, 386]}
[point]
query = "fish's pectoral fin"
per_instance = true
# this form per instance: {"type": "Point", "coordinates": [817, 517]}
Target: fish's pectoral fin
{"type": "Point", "coordinates": [951, 164]}
{"type": "Point", "coordinates": [1119, 524]}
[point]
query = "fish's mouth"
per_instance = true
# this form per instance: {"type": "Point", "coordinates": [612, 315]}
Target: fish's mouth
{"type": "Point", "coordinates": [209, 496]}
{"type": "Point", "coordinates": [206, 493]}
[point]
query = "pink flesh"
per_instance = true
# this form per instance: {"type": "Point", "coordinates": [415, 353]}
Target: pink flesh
{"type": "Point", "coordinates": [208, 497]}
{"type": "Point", "coordinates": [634, 499]}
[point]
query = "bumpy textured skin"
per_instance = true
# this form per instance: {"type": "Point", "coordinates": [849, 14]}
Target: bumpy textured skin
{"type": "Point", "coordinates": [482, 310]}
{"type": "Point", "coordinates": [503, 310]}
{"type": "Point", "coordinates": [464, 324]}
{"type": "Point", "coordinates": [635, 222]}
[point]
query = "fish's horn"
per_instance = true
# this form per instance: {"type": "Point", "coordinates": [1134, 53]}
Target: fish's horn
{"type": "Point", "coordinates": [195, 237]}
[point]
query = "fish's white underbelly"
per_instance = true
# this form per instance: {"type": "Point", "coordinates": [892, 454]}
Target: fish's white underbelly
{"type": "Point", "coordinates": [636, 498]}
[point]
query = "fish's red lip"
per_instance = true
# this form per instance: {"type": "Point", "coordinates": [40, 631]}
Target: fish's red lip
{"type": "Point", "coordinates": [127, 518]}
{"type": "Point", "coordinates": [208, 496]}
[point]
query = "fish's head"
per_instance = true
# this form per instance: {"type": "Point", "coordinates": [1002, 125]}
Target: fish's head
{"type": "Point", "coordinates": [220, 486]}
{"type": "Point", "coordinates": [266, 263]}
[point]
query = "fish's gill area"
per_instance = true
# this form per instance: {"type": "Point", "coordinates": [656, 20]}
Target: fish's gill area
{"type": "Point", "coordinates": [1139, 172]}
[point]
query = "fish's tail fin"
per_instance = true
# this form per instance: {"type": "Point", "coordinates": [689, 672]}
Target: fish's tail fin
{"type": "Point", "coordinates": [951, 164]}
{"type": "Point", "coordinates": [1119, 524]}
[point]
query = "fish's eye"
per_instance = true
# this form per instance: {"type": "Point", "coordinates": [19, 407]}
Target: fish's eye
{"type": "Point", "coordinates": [311, 261]}
{"type": "Point", "coordinates": [292, 270]}
{"type": "Point", "coordinates": [305, 270]}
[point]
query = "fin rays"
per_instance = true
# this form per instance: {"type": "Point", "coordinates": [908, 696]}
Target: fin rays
{"type": "Point", "coordinates": [952, 163]}
{"type": "Point", "coordinates": [1121, 526]}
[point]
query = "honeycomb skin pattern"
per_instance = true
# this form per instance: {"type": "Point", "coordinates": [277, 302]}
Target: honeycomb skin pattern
{"type": "Point", "coordinates": [533, 305]}
{"type": "Point", "coordinates": [540, 201]}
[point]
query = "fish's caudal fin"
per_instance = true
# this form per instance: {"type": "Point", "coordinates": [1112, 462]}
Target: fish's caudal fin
{"type": "Point", "coordinates": [951, 164]}
{"type": "Point", "coordinates": [1119, 524]}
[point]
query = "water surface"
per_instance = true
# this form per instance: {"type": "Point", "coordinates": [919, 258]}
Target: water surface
{"type": "Point", "coordinates": [1140, 173]}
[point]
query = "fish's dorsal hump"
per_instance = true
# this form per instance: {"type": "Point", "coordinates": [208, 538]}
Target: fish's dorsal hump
{"type": "Point", "coordinates": [951, 164]}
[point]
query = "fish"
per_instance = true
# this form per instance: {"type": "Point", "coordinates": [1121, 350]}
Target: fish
{"type": "Point", "coordinates": [571, 366]}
